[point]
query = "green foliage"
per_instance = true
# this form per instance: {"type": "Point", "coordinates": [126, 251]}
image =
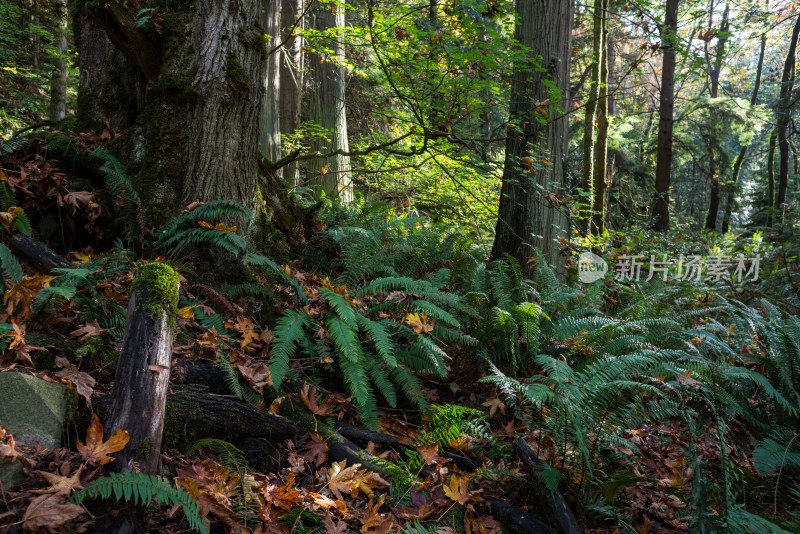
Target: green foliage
{"type": "Point", "coordinates": [121, 187]}
{"type": "Point", "coordinates": [184, 230]}
{"type": "Point", "coordinates": [141, 489]}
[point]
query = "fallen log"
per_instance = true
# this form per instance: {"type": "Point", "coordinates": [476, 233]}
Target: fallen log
{"type": "Point", "coordinates": [379, 438]}
{"type": "Point", "coordinates": [516, 519]}
{"type": "Point", "coordinates": [555, 500]}
{"type": "Point", "coordinates": [193, 413]}
{"type": "Point", "coordinates": [36, 254]}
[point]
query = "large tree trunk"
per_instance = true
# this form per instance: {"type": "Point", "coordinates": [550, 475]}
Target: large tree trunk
{"type": "Point", "coordinates": [327, 108]}
{"type": "Point", "coordinates": [737, 165]}
{"type": "Point", "coordinates": [269, 142]}
{"type": "Point", "coordinates": [291, 74]}
{"type": "Point", "coordinates": [190, 99]}
{"type": "Point", "coordinates": [713, 170]}
{"type": "Point", "coordinates": [783, 118]}
{"type": "Point", "coordinates": [773, 137]}
{"type": "Point", "coordinates": [530, 213]}
{"type": "Point", "coordinates": [593, 96]}
{"type": "Point", "coordinates": [665, 118]}
{"type": "Point", "coordinates": [58, 82]}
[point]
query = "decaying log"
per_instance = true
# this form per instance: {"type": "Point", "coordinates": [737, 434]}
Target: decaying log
{"type": "Point", "coordinates": [379, 438]}
{"type": "Point", "coordinates": [36, 254]}
{"type": "Point", "coordinates": [193, 413]}
{"type": "Point", "coordinates": [139, 396]}
{"type": "Point", "coordinates": [515, 518]}
{"type": "Point", "coordinates": [555, 500]}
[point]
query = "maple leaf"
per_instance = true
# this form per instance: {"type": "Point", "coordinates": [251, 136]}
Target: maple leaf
{"type": "Point", "coordinates": [187, 312]}
{"type": "Point", "coordinates": [212, 485]}
{"type": "Point", "coordinates": [22, 351]}
{"type": "Point", "coordinates": [284, 497]}
{"type": "Point", "coordinates": [323, 502]}
{"type": "Point", "coordinates": [9, 448]}
{"type": "Point", "coordinates": [315, 450]}
{"type": "Point", "coordinates": [83, 382]}
{"type": "Point", "coordinates": [59, 483]}
{"type": "Point", "coordinates": [429, 453]}
{"type": "Point", "coordinates": [480, 524]}
{"type": "Point", "coordinates": [334, 526]}
{"type": "Point", "coordinates": [419, 322]}
{"type": "Point", "coordinates": [97, 451]}
{"type": "Point", "coordinates": [257, 375]}
{"type": "Point", "coordinates": [309, 397]}
{"type": "Point", "coordinates": [19, 297]}
{"type": "Point", "coordinates": [219, 226]}
{"type": "Point", "coordinates": [494, 405]}
{"type": "Point", "coordinates": [353, 480]}
{"type": "Point", "coordinates": [50, 512]}
{"type": "Point", "coordinates": [458, 490]}
{"type": "Point", "coordinates": [373, 522]}
{"type": "Point", "coordinates": [87, 331]}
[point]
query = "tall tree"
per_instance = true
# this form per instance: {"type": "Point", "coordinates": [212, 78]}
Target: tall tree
{"type": "Point", "coordinates": [291, 76]}
{"type": "Point", "coordinates": [737, 165]}
{"type": "Point", "coordinates": [328, 108]}
{"type": "Point", "coordinates": [190, 113]}
{"type": "Point", "coordinates": [714, 74]}
{"type": "Point", "coordinates": [58, 82]}
{"type": "Point", "coordinates": [269, 142]}
{"type": "Point", "coordinates": [665, 117]}
{"type": "Point", "coordinates": [533, 176]}
{"type": "Point", "coordinates": [600, 167]}
{"type": "Point", "coordinates": [592, 103]}
{"type": "Point", "coordinates": [783, 117]}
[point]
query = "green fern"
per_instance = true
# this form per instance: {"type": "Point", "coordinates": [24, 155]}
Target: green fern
{"type": "Point", "coordinates": [116, 178]}
{"type": "Point", "coordinates": [141, 489]}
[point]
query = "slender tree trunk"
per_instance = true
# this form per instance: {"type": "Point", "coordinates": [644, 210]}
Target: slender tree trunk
{"type": "Point", "coordinates": [593, 97]}
{"type": "Point", "coordinates": [530, 213]}
{"type": "Point", "coordinates": [600, 167]}
{"type": "Point", "coordinates": [665, 120]}
{"type": "Point", "coordinates": [291, 76]}
{"type": "Point", "coordinates": [737, 165]}
{"type": "Point", "coordinates": [713, 171]}
{"type": "Point", "coordinates": [783, 118]}
{"type": "Point", "coordinates": [188, 99]}
{"type": "Point", "coordinates": [58, 82]}
{"type": "Point", "coordinates": [331, 174]}
{"type": "Point", "coordinates": [269, 141]}
{"type": "Point", "coordinates": [773, 136]}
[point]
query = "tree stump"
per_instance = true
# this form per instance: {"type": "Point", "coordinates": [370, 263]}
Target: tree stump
{"type": "Point", "coordinates": [140, 388]}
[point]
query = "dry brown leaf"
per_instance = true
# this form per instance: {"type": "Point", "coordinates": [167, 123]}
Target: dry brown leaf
{"type": "Point", "coordinates": [83, 382]}
{"type": "Point", "coordinates": [49, 513]}
{"type": "Point", "coordinates": [97, 451]}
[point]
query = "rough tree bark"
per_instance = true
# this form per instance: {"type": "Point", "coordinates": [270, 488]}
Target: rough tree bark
{"type": "Point", "coordinates": [665, 118]}
{"type": "Point", "coordinates": [187, 98]}
{"type": "Point", "coordinates": [269, 142]}
{"type": "Point", "coordinates": [533, 177]}
{"type": "Point", "coordinates": [327, 107]}
{"type": "Point", "coordinates": [291, 76]}
{"type": "Point", "coordinates": [58, 81]}
{"type": "Point", "coordinates": [737, 165]}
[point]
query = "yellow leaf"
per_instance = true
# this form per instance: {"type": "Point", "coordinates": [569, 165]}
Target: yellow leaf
{"type": "Point", "coordinates": [419, 323]}
{"type": "Point", "coordinates": [187, 312]}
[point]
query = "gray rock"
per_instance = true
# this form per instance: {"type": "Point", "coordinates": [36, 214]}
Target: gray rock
{"type": "Point", "coordinates": [33, 411]}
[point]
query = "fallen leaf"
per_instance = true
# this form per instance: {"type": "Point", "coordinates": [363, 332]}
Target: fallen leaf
{"type": "Point", "coordinates": [419, 322]}
{"type": "Point", "coordinates": [83, 382]}
{"type": "Point", "coordinates": [48, 513]}
{"type": "Point", "coordinates": [97, 451]}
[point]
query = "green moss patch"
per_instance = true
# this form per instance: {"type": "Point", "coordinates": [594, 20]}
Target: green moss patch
{"type": "Point", "coordinates": [161, 282]}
